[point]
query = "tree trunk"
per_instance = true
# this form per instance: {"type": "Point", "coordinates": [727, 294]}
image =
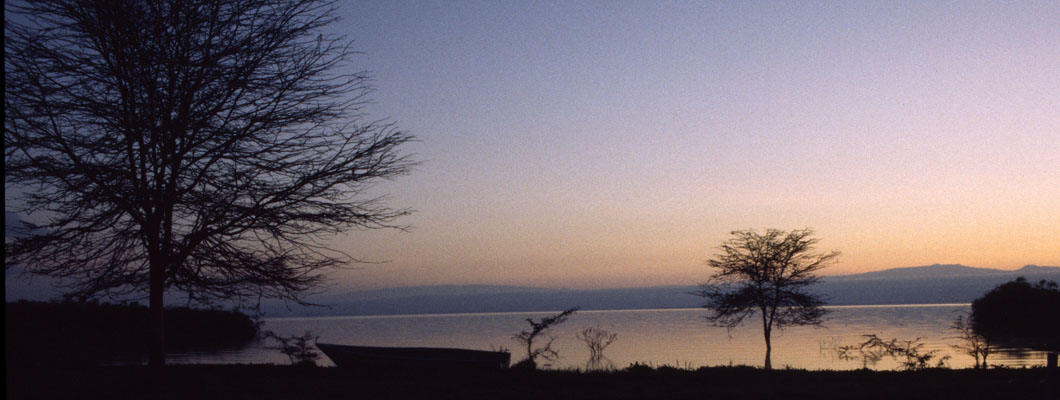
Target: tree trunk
{"type": "Point", "coordinates": [767, 327]}
{"type": "Point", "coordinates": [769, 350]}
{"type": "Point", "coordinates": [156, 357]}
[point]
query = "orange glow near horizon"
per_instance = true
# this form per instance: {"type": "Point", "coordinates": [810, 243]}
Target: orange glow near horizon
{"type": "Point", "coordinates": [616, 144]}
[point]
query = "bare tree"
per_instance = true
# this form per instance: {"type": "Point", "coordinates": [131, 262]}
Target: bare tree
{"type": "Point", "coordinates": [768, 274]}
{"type": "Point", "coordinates": [597, 340]}
{"type": "Point", "coordinates": [538, 329]}
{"type": "Point", "coordinates": [297, 348]}
{"type": "Point", "coordinates": [207, 147]}
{"type": "Point", "coordinates": [972, 343]}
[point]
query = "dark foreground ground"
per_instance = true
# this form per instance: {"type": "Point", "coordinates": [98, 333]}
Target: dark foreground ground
{"type": "Point", "coordinates": [285, 382]}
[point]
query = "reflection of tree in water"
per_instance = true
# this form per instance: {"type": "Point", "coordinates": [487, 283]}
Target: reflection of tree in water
{"type": "Point", "coordinates": [1020, 353]}
{"type": "Point", "coordinates": [909, 354]}
{"type": "Point", "coordinates": [597, 339]}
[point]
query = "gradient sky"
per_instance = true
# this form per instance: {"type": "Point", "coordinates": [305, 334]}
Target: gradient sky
{"type": "Point", "coordinates": [602, 144]}
{"type": "Point", "coordinates": [605, 144]}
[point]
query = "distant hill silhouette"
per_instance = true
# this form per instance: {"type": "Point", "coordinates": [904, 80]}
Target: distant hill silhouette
{"type": "Point", "coordinates": [911, 285]}
{"type": "Point", "coordinates": [925, 285]}
{"type": "Point", "coordinates": [928, 272]}
{"type": "Point", "coordinates": [439, 290]}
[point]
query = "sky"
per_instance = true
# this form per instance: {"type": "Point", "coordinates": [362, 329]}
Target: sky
{"type": "Point", "coordinates": [577, 144]}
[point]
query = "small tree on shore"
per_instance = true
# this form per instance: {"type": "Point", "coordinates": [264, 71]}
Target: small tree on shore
{"type": "Point", "coordinates": [297, 348]}
{"type": "Point", "coordinates": [597, 340]}
{"type": "Point", "coordinates": [539, 329]}
{"type": "Point", "coordinates": [768, 274]}
{"type": "Point", "coordinates": [972, 343]}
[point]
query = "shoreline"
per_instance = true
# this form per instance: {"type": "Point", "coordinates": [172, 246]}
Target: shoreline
{"type": "Point", "coordinates": [242, 381]}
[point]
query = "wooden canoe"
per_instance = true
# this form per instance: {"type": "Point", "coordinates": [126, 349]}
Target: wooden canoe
{"type": "Point", "coordinates": [413, 357]}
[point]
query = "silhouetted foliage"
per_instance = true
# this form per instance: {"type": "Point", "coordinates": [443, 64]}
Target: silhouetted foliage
{"type": "Point", "coordinates": [266, 382]}
{"type": "Point", "coordinates": [539, 329]}
{"type": "Point", "coordinates": [972, 343]}
{"type": "Point", "coordinates": [297, 348]}
{"type": "Point", "coordinates": [768, 274]}
{"type": "Point", "coordinates": [68, 333]}
{"type": "Point", "coordinates": [1020, 314]}
{"type": "Point", "coordinates": [909, 354]}
{"type": "Point", "coordinates": [868, 352]}
{"type": "Point", "coordinates": [597, 340]}
{"type": "Point", "coordinates": [201, 146]}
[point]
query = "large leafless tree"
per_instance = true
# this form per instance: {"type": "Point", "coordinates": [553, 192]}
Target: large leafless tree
{"type": "Point", "coordinates": [207, 147]}
{"type": "Point", "coordinates": [767, 274]}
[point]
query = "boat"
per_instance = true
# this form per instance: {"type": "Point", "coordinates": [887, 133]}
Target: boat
{"type": "Point", "coordinates": [346, 356]}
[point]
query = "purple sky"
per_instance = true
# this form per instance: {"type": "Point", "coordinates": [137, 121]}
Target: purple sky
{"type": "Point", "coordinates": [591, 144]}
{"type": "Point", "coordinates": [616, 143]}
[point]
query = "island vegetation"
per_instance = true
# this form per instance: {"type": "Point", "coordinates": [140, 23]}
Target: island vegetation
{"type": "Point", "coordinates": [61, 334]}
{"type": "Point", "coordinates": [1020, 314]}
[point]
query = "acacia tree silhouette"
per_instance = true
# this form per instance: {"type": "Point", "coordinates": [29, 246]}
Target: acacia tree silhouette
{"type": "Point", "coordinates": [768, 274]}
{"type": "Point", "coordinates": [200, 146]}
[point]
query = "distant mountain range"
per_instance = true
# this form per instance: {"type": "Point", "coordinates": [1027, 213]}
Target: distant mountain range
{"type": "Point", "coordinates": [913, 285]}
{"type": "Point", "coordinates": [931, 284]}
{"type": "Point", "coordinates": [941, 271]}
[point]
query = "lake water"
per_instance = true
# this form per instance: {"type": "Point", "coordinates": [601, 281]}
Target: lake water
{"type": "Point", "coordinates": [676, 337]}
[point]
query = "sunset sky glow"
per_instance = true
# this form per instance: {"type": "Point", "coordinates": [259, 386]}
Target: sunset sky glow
{"type": "Point", "coordinates": [579, 144]}
{"type": "Point", "coordinates": [604, 144]}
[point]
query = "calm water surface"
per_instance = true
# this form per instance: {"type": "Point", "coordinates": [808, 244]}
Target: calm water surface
{"type": "Point", "coordinates": [677, 337]}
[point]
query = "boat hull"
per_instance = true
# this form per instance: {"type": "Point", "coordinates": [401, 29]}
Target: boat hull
{"type": "Point", "coordinates": [345, 356]}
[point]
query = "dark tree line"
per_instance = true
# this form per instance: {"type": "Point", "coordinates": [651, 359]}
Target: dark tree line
{"type": "Point", "coordinates": [1020, 314]}
{"type": "Point", "coordinates": [208, 147]}
{"type": "Point", "coordinates": [86, 333]}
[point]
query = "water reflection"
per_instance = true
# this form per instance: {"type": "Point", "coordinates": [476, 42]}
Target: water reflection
{"type": "Point", "coordinates": [677, 337]}
{"type": "Point", "coordinates": [1015, 356]}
